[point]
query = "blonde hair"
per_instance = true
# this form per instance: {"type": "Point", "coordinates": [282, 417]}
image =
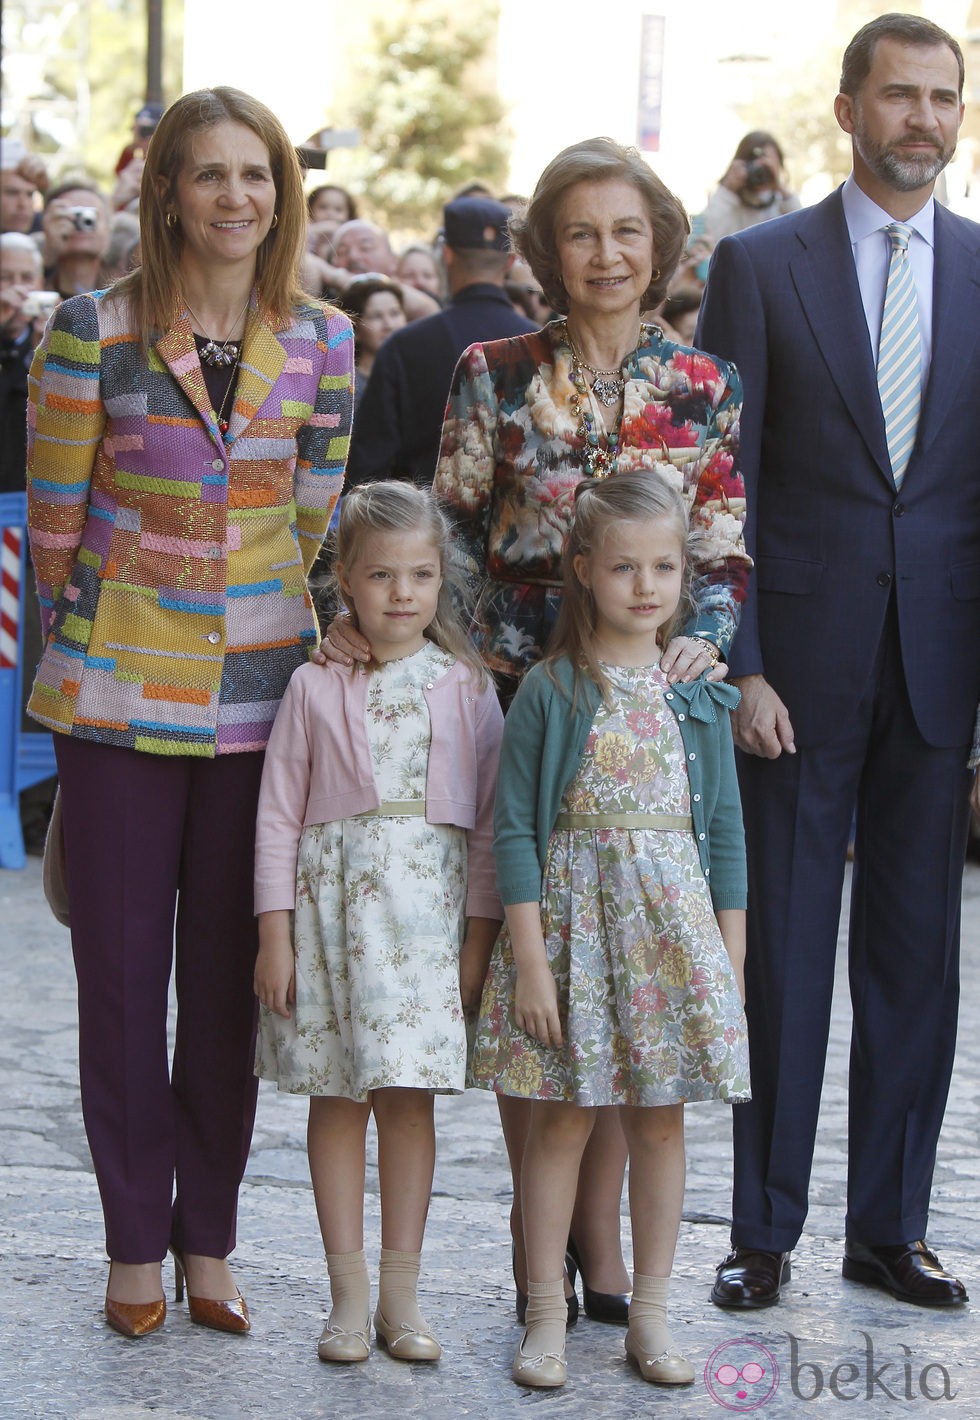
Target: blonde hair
{"type": "Point", "coordinates": [398, 507]}
{"type": "Point", "coordinates": [154, 288]}
{"type": "Point", "coordinates": [643, 496]}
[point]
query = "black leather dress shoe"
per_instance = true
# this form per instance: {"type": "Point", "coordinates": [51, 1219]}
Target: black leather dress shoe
{"type": "Point", "coordinates": [910, 1271]}
{"type": "Point", "coordinates": [749, 1278]}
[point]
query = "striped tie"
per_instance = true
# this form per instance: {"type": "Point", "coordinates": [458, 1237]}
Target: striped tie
{"type": "Point", "coordinates": [899, 354]}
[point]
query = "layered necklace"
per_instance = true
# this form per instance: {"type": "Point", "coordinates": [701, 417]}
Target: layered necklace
{"type": "Point", "coordinates": [219, 357]}
{"type": "Point", "coordinates": [219, 353]}
{"type": "Point", "coordinates": [600, 445]}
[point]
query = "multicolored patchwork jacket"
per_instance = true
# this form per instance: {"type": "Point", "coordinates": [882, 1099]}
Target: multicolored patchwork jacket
{"type": "Point", "coordinates": [171, 562]}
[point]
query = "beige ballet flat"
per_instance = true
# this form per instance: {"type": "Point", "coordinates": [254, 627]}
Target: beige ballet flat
{"type": "Point", "coordinates": [344, 1346]}
{"type": "Point", "coordinates": [668, 1368]}
{"type": "Point", "coordinates": [404, 1342]}
{"type": "Point", "coordinates": [545, 1371]}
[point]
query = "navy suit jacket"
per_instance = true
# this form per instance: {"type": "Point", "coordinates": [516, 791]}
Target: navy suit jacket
{"type": "Point", "coordinates": [833, 541]}
{"type": "Point", "coordinates": [399, 421]}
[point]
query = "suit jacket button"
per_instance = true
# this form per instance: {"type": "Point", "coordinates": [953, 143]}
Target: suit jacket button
{"type": "Point", "coordinates": [899, 510]}
{"type": "Point", "coordinates": [884, 579]}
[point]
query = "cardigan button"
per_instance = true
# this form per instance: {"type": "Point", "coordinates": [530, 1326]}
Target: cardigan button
{"type": "Point", "coordinates": [214, 637]}
{"type": "Point", "coordinates": [700, 837]}
{"type": "Point", "coordinates": [692, 755]}
{"type": "Point", "coordinates": [428, 685]}
{"type": "Point", "coordinates": [217, 465]}
{"type": "Point", "coordinates": [697, 798]}
{"type": "Point", "coordinates": [707, 872]}
{"type": "Point", "coordinates": [669, 695]}
{"type": "Point", "coordinates": [682, 717]}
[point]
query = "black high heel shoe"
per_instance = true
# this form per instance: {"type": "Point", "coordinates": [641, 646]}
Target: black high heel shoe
{"type": "Point", "coordinates": [599, 1306]}
{"type": "Point", "coordinates": [520, 1300]}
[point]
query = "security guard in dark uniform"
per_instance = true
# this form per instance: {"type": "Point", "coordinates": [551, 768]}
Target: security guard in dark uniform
{"type": "Point", "coordinates": [399, 422]}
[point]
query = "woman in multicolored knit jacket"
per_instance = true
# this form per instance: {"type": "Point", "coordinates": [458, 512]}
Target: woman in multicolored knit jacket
{"type": "Point", "coordinates": [187, 436]}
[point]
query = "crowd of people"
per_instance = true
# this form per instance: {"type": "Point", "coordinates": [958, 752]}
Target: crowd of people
{"type": "Point", "coordinates": [493, 815]}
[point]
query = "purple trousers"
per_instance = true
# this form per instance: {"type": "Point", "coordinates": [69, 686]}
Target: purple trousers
{"type": "Point", "coordinates": [159, 854]}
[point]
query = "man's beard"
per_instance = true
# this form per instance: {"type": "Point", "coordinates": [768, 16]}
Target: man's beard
{"type": "Point", "coordinates": [903, 174]}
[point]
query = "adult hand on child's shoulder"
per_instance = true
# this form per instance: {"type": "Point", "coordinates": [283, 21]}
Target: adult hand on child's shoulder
{"type": "Point", "coordinates": [343, 643]}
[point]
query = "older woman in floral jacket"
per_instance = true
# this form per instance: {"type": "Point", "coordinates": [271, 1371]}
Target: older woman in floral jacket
{"type": "Point", "coordinates": [594, 394]}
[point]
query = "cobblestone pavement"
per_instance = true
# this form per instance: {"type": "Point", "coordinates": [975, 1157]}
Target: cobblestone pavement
{"type": "Point", "coordinates": [837, 1347]}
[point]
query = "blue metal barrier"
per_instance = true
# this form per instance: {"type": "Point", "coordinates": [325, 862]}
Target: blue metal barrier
{"type": "Point", "coordinates": [25, 759]}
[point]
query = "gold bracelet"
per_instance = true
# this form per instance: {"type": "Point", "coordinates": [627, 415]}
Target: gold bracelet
{"type": "Point", "coordinates": [710, 649]}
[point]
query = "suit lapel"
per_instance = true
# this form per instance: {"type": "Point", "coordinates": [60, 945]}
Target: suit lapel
{"type": "Point", "coordinates": [261, 365]}
{"type": "Point", "coordinates": [263, 358]}
{"type": "Point", "coordinates": [178, 352]}
{"type": "Point", "coordinates": [955, 324]}
{"type": "Point", "coordinates": [827, 286]}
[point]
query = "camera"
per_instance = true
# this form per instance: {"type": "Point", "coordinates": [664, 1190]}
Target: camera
{"type": "Point", "coordinates": [39, 303]}
{"type": "Point", "coordinates": [758, 174]}
{"type": "Point", "coordinates": [83, 219]}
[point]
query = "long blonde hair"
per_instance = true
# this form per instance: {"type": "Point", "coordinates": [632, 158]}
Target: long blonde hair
{"type": "Point", "coordinates": [392, 506]}
{"type": "Point", "coordinates": [154, 288]}
{"type": "Point", "coordinates": [643, 496]}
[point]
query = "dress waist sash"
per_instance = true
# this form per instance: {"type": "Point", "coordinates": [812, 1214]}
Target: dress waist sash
{"type": "Point", "coordinates": [681, 821]}
{"type": "Point", "coordinates": [396, 808]}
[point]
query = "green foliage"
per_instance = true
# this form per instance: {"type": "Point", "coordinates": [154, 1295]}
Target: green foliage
{"type": "Point", "coordinates": [84, 67]}
{"type": "Point", "coordinates": [797, 105]}
{"type": "Point", "coordinates": [430, 121]}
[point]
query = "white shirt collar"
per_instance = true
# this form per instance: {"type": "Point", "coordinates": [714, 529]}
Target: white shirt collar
{"type": "Point", "coordinates": [864, 216]}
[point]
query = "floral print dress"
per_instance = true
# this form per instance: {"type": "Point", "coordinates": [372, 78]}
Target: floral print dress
{"type": "Point", "coordinates": [649, 1006]}
{"type": "Point", "coordinates": [378, 925]}
{"type": "Point", "coordinates": [512, 454]}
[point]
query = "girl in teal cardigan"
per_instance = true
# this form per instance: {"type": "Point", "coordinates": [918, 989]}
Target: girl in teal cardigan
{"type": "Point", "coordinates": [620, 863]}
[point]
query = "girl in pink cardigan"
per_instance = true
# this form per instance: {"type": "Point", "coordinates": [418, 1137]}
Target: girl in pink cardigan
{"type": "Point", "coordinates": [376, 900]}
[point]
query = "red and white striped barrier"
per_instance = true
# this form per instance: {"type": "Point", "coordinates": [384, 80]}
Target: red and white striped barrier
{"type": "Point", "coordinates": [10, 580]}
{"type": "Point", "coordinates": [25, 759]}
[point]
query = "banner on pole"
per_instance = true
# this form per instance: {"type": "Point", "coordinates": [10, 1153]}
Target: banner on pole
{"type": "Point", "coordinates": [650, 98]}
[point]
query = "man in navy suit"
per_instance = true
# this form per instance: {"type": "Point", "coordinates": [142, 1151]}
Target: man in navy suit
{"type": "Point", "coordinates": [857, 661]}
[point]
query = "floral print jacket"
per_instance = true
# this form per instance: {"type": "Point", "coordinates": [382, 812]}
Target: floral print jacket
{"type": "Point", "coordinates": [511, 456]}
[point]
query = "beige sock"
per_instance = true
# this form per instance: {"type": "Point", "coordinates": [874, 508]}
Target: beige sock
{"type": "Point", "coordinates": [547, 1312]}
{"type": "Point", "coordinates": [648, 1315]}
{"type": "Point", "coordinates": [397, 1288]}
{"type": "Point", "coordinates": [350, 1290]}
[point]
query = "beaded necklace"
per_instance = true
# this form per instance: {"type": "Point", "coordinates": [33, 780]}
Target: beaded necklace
{"type": "Point", "coordinates": [598, 453]}
{"type": "Point", "coordinates": [599, 450]}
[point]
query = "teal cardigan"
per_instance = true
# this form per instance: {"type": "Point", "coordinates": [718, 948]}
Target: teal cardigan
{"type": "Point", "coordinates": [544, 741]}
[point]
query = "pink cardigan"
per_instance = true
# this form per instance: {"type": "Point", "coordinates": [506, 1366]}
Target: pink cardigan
{"type": "Point", "coordinates": [318, 769]}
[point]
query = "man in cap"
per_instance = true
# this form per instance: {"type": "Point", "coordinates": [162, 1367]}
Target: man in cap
{"type": "Point", "coordinates": [399, 422]}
